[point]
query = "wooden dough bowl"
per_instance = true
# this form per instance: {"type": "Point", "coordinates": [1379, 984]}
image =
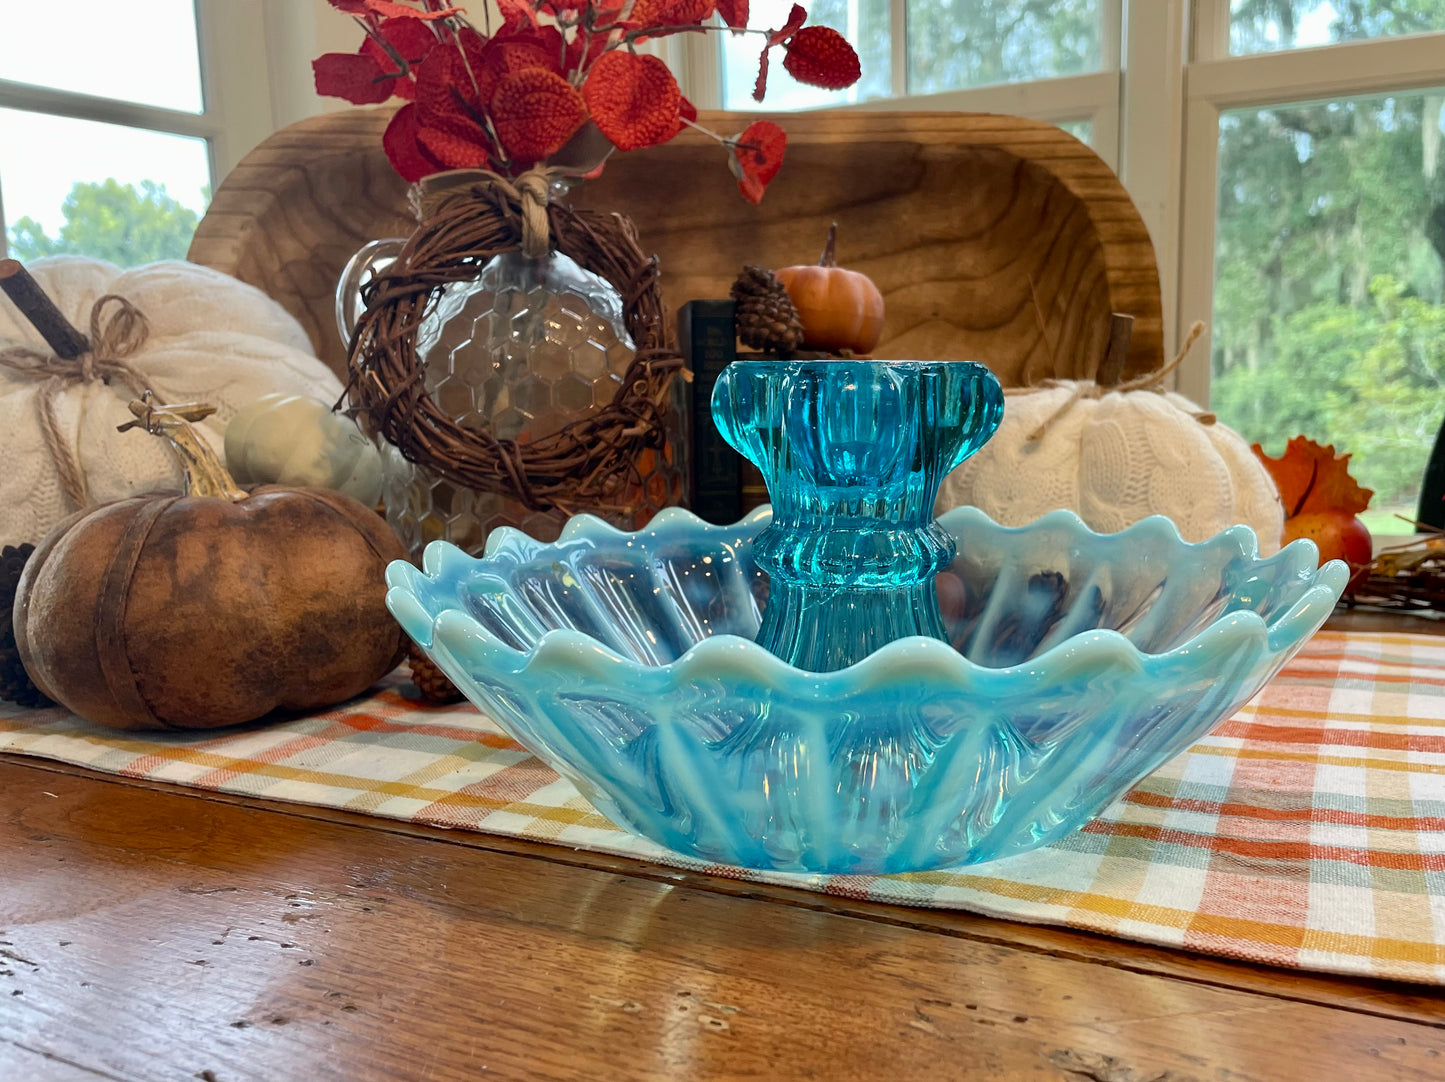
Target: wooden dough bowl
{"type": "Point", "coordinates": [993, 238]}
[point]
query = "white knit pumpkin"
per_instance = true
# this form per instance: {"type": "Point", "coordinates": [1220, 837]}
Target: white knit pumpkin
{"type": "Point", "coordinates": [1114, 460]}
{"type": "Point", "coordinates": [212, 339]}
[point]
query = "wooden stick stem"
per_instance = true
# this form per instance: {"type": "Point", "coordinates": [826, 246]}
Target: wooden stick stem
{"type": "Point", "coordinates": [1111, 369]}
{"type": "Point", "coordinates": [17, 284]}
{"type": "Point", "coordinates": [829, 257]}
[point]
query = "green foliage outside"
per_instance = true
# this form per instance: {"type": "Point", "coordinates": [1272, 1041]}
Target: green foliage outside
{"type": "Point", "coordinates": [961, 43]}
{"type": "Point", "coordinates": [112, 221]}
{"type": "Point", "coordinates": [1328, 262]}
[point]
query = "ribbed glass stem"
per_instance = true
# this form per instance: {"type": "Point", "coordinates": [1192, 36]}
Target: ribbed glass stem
{"type": "Point", "coordinates": [853, 453]}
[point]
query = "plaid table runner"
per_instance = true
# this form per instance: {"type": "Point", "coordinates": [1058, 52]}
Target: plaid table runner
{"type": "Point", "coordinates": [1306, 831]}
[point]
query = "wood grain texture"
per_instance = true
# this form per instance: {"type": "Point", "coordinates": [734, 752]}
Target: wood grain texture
{"type": "Point", "coordinates": [1388, 999]}
{"type": "Point", "coordinates": [992, 238]}
{"type": "Point", "coordinates": [159, 936]}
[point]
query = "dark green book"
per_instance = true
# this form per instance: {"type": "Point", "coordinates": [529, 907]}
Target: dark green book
{"type": "Point", "coordinates": [1432, 494]}
{"type": "Point", "coordinates": [707, 337]}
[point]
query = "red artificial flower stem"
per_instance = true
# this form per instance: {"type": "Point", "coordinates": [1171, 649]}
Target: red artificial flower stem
{"type": "Point", "coordinates": [558, 83]}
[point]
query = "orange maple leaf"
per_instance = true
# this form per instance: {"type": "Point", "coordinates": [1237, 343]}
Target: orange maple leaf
{"type": "Point", "coordinates": [1311, 478]}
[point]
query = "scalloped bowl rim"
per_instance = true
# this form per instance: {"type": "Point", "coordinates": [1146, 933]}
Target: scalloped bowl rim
{"type": "Point", "coordinates": [902, 662]}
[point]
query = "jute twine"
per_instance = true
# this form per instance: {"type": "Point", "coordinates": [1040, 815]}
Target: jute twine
{"type": "Point", "coordinates": [585, 465]}
{"type": "Point", "coordinates": [1082, 389]}
{"type": "Point", "coordinates": [113, 338]}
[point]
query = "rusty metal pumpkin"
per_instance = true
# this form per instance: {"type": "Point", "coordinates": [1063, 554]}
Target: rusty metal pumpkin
{"type": "Point", "coordinates": [210, 608]}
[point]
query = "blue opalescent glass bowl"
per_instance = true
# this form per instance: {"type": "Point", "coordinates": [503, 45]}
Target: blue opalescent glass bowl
{"type": "Point", "coordinates": [1075, 664]}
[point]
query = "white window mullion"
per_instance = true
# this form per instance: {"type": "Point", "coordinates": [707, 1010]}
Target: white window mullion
{"type": "Point", "coordinates": [1209, 36]}
{"type": "Point", "coordinates": [1199, 200]}
{"type": "Point", "coordinates": [1151, 153]}
{"type": "Point", "coordinates": [235, 77]}
{"type": "Point", "coordinates": [1106, 135]}
{"type": "Point", "coordinates": [1353, 69]}
{"type": "Point", "coordinates": [1072, 97]}
{"type": "Point", "coordinates": [898, 42]}
{"type": "Point", "coordinates": [68, 103]}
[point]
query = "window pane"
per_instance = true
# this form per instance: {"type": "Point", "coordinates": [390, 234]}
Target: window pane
{"type": "Point", "coordinates": [863, 22]}
{"type": "Point", "coordinates": [1328, 276]}
{"type": "Point", "coordinates": [1262, 26]}
{"type": "Point", "coordinates": [144, 53]}
{"type": "Point", "coordinates": [953, 44]}
{"type": "Point", "coordinates": [77, 186]}
{"type": "Point", "coordinates": [1082, 130]}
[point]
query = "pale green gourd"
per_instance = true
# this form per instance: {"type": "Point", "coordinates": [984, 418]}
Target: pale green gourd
{"type": "Point", "coordinates": [288, 439]}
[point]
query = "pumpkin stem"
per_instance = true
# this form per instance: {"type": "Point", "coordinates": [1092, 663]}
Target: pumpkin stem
{"type": "Point", "coordinates": [1116, 353]}
{"type": "Point", "coordinates": [205, 476]}
{"type": "Point", "coordinates": [829, 257]}
{"type": "Point", "coordinates": [36, 306]}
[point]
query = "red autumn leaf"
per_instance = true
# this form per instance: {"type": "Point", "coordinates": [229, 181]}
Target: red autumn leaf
{"type": "Point", "coordinates": [447, 98]}
{"type": "Point", "coordinates": [535, 112]}
{"type": "Point", "coordinates": [409, 39]}
{"type": "Point", "coordinates": [1312, 479]}
{"type": "Point", "coordinates": [646, 14]}
{"type": "Point", "coordinates": [760, 87]}
{"type": "Point", "coordinates": [451, 151]}
{"type": "Point", "coordinates": [634, 100]}
{"type": "Point", "coordinates": [350, 7]}
{"type": "Point", "coordinates": [734, 13]}
{"type": "Point", "coordinates": [820, 56]}
{"type": "Point", "coordinates": [757, 155]}
{"type": "Point", "coordinates": [539, 48]}
{"type": "Point", "coordinates": [686, 110]}
{"type": "Point", "coordinates": [352, 77]}
{"type": "Point", "coordinates": [565, 7]}
{"type": "Point", "coordinates": [402, 148]}
{"type": "Point", "coordinates": [401, 11]}
{"type": "Point", "coordinates": [515, 13]}
{"type": "Point", "coordinates": [795, 20]}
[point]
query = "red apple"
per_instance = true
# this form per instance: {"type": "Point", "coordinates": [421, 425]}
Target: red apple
{"type": "Point", "coordinates": [1338, 535]}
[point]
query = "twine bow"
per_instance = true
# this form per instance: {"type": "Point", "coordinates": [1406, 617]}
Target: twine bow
{"type": "Point", "coordinates": [1150, 381]}
{"type": "Point", "coordinates": [113, 338]}
{"type": "Point", "coordinates": [530, 192]}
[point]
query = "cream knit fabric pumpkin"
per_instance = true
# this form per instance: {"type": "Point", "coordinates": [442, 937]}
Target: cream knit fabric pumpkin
{"type": "Point", "coordinates": [1114, 460]}
{"type": "Point", "coordinates": [212, 339]}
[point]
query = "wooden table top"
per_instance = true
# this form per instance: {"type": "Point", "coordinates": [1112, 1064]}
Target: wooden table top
{"type": "Point", "coordinates": [151, 933]}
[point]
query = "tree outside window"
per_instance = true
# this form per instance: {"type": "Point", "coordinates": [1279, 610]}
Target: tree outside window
{"type": "Point", "coordinates": [120, 223]}
{"type": "Point", "coordinates": [1330, 260]}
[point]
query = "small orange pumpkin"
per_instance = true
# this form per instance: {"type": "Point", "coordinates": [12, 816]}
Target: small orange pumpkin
{"type": "Point", "coordinates": [839, 309]}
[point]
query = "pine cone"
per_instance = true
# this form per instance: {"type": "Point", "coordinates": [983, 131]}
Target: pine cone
{"type": "Point", "coordinates": [429, 680]}
{"type": "Point", "coordinates": [766, 318]}
{"type": "Point", "coordinates": [15, 683]}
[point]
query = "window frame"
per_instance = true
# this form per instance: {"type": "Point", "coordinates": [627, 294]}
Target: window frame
{"type": "Point", "coordinates": [237, 105]}
{"type": "Point", "coordinates": [1217, 82]}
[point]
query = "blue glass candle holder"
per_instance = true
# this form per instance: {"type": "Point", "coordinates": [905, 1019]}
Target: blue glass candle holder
{"type": "Point", "coordinates": [853, 453]}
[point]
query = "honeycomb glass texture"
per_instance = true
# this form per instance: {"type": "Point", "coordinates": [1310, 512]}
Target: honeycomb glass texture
{"type": "Point", "coordinates": [522, 350]}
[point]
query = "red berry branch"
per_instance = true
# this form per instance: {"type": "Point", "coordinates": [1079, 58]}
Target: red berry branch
{"type": "Point", "coordinates": [558, 82]}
